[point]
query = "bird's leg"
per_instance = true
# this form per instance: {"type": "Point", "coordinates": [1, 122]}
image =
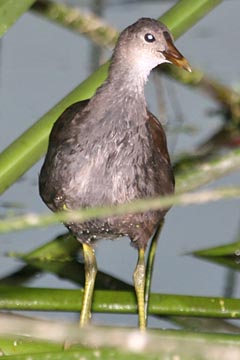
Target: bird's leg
{"type": "Point", "coordinates": [150, 265]}
{"type": "Point", "coordinates": [90, 275]}
{"type": "Point", "coordinates": [139, 283]}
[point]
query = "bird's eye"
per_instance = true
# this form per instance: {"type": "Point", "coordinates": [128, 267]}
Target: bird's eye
{"type": "Point", "coordinates": [149, 38]}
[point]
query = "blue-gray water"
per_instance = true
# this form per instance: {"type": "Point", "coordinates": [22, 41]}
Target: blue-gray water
{"type": "Point", "coordinates": [42, 62]}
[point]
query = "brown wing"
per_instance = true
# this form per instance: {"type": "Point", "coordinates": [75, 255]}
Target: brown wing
{"type": "Point", "coordinates": [160, 146]}
{"type": "Point", "coordinates": [50, 177]}
{"type": "Point", "coordinates": [62, 128]}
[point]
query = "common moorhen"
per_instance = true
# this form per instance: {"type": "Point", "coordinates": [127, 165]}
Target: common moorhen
{"type": "Point", "coordinates": [111, 150]}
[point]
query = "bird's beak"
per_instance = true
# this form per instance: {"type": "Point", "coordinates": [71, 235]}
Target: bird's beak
{"type": "Point", "coordinates": [174, 56]}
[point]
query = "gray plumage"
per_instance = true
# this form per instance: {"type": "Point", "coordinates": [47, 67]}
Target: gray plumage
{"type": "Point", "coordinates": [111, 149]}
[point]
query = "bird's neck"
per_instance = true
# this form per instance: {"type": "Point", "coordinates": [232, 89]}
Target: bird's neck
{"type": "Point", "coordinates": [123, 95]}
{"type": "Point", "coordinates": [129, 77]}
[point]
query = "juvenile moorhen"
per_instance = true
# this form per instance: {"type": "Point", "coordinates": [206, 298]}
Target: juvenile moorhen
{"type": "Point", "coordinates": [112, 150]}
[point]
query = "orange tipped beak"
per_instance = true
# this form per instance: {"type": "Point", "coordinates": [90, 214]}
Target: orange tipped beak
{"type": "Point", "coordinates": [174, 56]}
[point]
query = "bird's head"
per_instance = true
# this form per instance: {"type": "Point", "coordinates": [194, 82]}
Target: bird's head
{"type": "Point", "coordinates": [146, 44]}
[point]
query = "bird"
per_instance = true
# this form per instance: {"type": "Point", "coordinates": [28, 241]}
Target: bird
{"type": "Point", "coordinates": [111, 150]}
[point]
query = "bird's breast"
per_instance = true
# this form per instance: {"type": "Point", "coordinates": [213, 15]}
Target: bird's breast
{"type": "Point", "coordinates": [115, 171]}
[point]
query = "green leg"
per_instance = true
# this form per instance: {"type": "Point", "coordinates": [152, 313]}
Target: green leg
{"type": "Point", "coordinates": [150, 265]}
{"type": "Point", "coordinates": [139, 283]}
{"type": "Point", "coordinates": [90, 275]}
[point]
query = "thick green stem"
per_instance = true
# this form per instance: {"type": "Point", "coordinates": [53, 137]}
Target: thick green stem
{"type": "Point", "coordinates": [30, 146]}
{"type": "Point", "coordinates": [185, 14]}
{"type": "Point", "coordinates": [23, 298]}
{"type": "Point", "coordinates": [10, 11]}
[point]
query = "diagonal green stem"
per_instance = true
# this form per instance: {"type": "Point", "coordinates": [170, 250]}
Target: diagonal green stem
{"type": "Point", "coordinates": [185, 14]}
{"type": "Point", "coordinates": [10, 11]}
{"type": "Point", "coordinates": [30, 146]}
